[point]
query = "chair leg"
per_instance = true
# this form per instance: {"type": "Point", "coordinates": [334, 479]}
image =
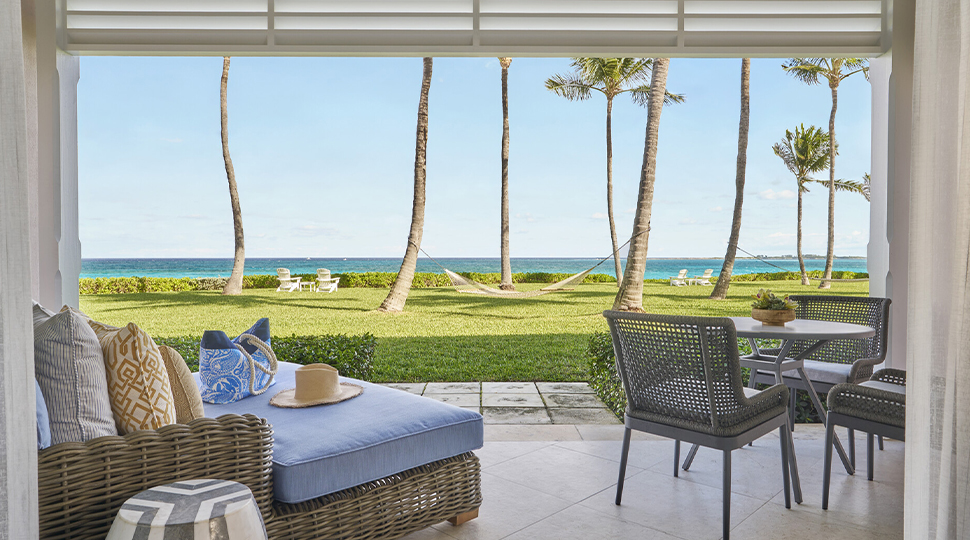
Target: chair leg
{"type": "Point", "coordinates": [880, 442]}
{"type": "Point", "coordinates": [623, 455]}
{"type": "Point", "coordinates": [870, 455]}
{"type": "Point", "coordinates": [852, 447]}
{"type": "Point", "coordinates": [792, 404]}
{"type": "Point", "coordinates": [676, 458]}
{"type": "Point", "coordinates": [827, 463]}
{"type": "Point", "coordinates": [785, 473]}
{"type": "Point", "coordinates": [690, 456]}
{"type": "Point", "coordinates": [726, 502]}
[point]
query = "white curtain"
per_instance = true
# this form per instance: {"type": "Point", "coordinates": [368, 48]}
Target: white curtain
{"type": "Point", "coordinates": [938, 352]}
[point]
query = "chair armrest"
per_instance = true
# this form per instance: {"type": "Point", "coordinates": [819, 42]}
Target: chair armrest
{"type": "Point", "coordinates": [336, 281]}
{"type": "Point", "coordinates": [772, 396]}
{"type": "Point", "coordinates": [81, 486]}
{"type": "Point", "coordinates": [873, 404]}
{"type": "Point", "coordinates": [890, 375]}
{"type": "Point", "coordinates": [862, 369]}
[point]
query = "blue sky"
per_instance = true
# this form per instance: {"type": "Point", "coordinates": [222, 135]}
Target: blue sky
{"type": "Point", "coordinates": [323, 150]}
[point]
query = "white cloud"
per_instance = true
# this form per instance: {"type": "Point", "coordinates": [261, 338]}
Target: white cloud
{"type": "Point", "coordinates": [771, 195]}
{"type": "Point", "coordinates": [716, 209]}
{"type": "Point", "coordinates": [630, 211]}
{"type": "Point", "coordinates": [529, 218]}
{"type": "Point", "coordinates": [687, 221]}
{"type": "Point", "coordinates": [599, 215]}
{"type": "Point", "coordinates": [781, 235]}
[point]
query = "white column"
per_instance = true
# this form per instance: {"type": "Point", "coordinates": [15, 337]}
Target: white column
{"type": "Point", "coordinates": [18, 456]}
{"type": "Point", "coordinates": [892, 120]}
{"type": "Point", "coordinates": [56, 245]}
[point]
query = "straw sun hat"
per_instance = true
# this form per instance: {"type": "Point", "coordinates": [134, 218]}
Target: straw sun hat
{"type": "Point", "coordinates": [316, 384]}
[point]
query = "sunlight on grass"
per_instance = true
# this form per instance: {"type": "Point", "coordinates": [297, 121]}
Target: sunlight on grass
{"type": "Point", "coordinates": [442, 335]}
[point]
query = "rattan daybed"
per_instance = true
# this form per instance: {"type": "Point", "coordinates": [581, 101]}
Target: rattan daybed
{"type": "Point", "coordinates": [82, 485]}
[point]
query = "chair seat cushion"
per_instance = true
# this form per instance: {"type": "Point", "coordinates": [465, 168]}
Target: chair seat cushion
{"type": "Point", "coordinates": [324, 449]}
{"type": "Point", "coordinates": [827, 372]}
{"type": "Point", "coordinates": [889, 387]}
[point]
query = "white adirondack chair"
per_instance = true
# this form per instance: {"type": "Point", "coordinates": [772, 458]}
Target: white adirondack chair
{"type": "Point", "coordinates": [325, 282]}
{"type": "Point", "coordinates": [680, 279]}
{"type": "Point", "coordinates": [705, 279]}
{"type": "Point", "coordinates": [287, 283]}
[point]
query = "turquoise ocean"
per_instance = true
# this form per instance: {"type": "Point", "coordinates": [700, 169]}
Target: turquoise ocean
{"type": "Point", "coordinates": [656, 268]}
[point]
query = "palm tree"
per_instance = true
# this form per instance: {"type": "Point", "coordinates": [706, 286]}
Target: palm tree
{"type": "Point", "coordinates": [630, 295]}
{"type": "Point", "coordinates": [834, 70]}
{"type": "Point", "coordinates": [234, 285]}
{"type": "Point", "coordinates": [724, 278]}
{"type": "Point", "coordinates": [611, 77]}
{"type": "Point", "coordinates": [507, 284]}
{"type": "Point", "coordinates": [402, 285]}
{"type": "Point", "coordinates": [866, 181]}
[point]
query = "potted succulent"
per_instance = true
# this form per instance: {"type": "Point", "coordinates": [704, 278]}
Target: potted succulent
{"type": "Point", "coordinates": [772, 310]}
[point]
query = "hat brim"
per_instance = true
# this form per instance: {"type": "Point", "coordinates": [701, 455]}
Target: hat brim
{"type": "Point", "coordinates": [287, 398]}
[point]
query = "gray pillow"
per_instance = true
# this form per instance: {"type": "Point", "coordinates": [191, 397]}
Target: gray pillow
{"type": "Point", "coordinates": [41, 314]}
{"type": "Point", "coordinates": [69, 367]}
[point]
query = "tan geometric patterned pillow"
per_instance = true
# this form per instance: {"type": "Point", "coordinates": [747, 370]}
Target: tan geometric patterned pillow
{"type": "Point", "coordinates": [188, 399]}
{"type": "Point", "coordinates": [138, 383]}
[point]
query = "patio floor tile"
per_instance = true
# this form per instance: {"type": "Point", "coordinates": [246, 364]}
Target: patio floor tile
{"type": "Point", "coordinates": [512, 400]}
{"type": "Point", "coordinates": [583, 416]}
{"type": "Point", "coordinates": [458, 400]}
{"type": "Point", "coordinates": [564, 388]}
{"type": "Point", "coordinates": [453, 388]}
{"type": "Point", "coordinates": [516, 415]}
{"type": "Point", "coordinates": [411, 388]}
{"type": "Point", "coordinates": [509, 388]}
{"type": "Point", "coordinates": [573, 400]}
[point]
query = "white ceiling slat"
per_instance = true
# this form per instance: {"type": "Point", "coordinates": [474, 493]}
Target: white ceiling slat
{"type": "Point", "coordinates": [476, 27]}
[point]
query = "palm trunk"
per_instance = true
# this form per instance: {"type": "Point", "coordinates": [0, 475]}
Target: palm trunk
{"type": "Point", "coordinates": [234, 285]}
{"type": "Point", "coordinates": [398, 295]}
{"type": "Point", "coordinates": [507, 284]}
{"type": "Point", "coordinates": [798, 238]}
{"type": "Point", "coordinates": [630, 295]}
{"type": "Point", "coordinates": [609, 187]}
{"type": "Point", "coordinates": [830, 253]}
{"type": "Point", "coordinates": [724, 278]}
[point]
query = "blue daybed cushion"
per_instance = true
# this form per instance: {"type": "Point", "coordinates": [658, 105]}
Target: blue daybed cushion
{"type": "Point", "coordinates": [321, 450]}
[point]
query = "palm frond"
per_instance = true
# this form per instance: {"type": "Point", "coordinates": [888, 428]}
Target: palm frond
{"type": "Point", "coordinates": [866, 181]}
{"type": "Point", "coordinates": [571, 87]}
{"type": "Point", "coordinates": [806, 70]}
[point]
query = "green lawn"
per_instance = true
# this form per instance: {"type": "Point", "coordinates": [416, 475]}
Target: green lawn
{"type": "Point", "coordinates": [442, 335]}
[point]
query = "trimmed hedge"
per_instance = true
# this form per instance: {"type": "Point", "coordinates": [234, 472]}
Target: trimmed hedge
{"type": "Point", "coordinates": [603, 378]}
{"type": "Point", "coordinates": [378, 280]}
{"type": "Point", "coordinates": [353, 356]}
{"type": "Point", "coordinates": [781, 276]}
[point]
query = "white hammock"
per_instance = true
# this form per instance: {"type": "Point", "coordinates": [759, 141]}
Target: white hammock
{"type": "Point", "coordinates": [465, 285]}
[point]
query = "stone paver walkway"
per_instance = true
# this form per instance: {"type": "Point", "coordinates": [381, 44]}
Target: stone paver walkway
{"type": "Point", "coordinates": [520, 402]}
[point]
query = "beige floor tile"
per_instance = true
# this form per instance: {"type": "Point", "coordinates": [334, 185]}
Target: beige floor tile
{"type": "Point", "coordinates": [800, 524]}
{"type": "Point", "coordinates": [672, 505]}
{"type": "Point", "coordinates": [507, 507]}
{"type": "Point", "coordinates": [578, 523]}
{"type": "Point", "coordinates": [499, 432]}
{"type": "Point", "coordinates": [643, 454]}
{"type": "Point", "coordinates": [495, 452]}
{"type": "Point", "coordinates": [411, 388]}
{"type": "Point", "coordinates": [560, 472]}
{"type": "Point", "coordinates": [599, 432]}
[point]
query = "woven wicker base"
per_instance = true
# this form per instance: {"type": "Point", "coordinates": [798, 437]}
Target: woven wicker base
{"type": "Point", "coordinates": [388, 508]}
{"type": "Point", "coordinates": [82, 485]}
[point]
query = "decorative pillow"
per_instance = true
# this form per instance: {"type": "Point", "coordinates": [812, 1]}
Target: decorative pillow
{"type": "Point", "coordinates": [41, 314]}
{"type": "Point", "coordinates": [69, 367]}
{"type": "Point", "coordinates": [43, 421]}
{"type": "Point", "coordinates": [229, 371]}
{"type": "Point", "coordinates": [188, 400]}
{"type": "Point", "coordinates": [138, 383]}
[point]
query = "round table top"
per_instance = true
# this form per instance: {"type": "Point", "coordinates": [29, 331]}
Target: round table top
{"type": "Point", "coordinates": [801, 329]}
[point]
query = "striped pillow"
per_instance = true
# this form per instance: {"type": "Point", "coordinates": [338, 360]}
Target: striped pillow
{"type": "Point", "coordinates": [185, 392]}
{"type": "Point", "coordinates": [138, 383]}
{"type": "Point", "coordinates": [69, 367]}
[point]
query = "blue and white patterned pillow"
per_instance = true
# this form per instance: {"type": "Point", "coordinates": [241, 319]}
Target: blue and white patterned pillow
{"type": "Point", "coordinates": [225, 371]}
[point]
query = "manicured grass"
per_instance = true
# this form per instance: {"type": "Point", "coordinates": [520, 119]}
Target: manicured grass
{"type": "Point", "coordinates": [442, 335]}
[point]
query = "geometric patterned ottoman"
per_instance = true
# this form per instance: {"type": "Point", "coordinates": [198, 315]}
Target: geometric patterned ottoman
{"type": "Point", "coordinates": [190, 510]}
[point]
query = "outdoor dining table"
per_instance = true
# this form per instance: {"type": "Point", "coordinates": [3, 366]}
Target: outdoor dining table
{"type": "Point", "coordinates": [820, 332]}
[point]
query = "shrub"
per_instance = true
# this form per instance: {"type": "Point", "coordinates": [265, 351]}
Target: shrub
{"type": "Point", "coordinates": [122, 285]}
{"type": "Point", "coordinates": [211, 283]}
{"type": "Point", "coordinates": [352, 355]}
{"type": "Point", "coordinates": [603, 378]}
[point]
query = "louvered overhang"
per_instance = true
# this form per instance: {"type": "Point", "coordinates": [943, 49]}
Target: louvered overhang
{"type": "Point", "coordinates": [676, 28]}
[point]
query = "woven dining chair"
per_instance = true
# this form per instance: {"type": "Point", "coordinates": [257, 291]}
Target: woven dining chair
{"type": "Point", "coordinates": [682, 379]}
{"type": "Point", "coordinates": [877, 406]}
{"type": "Point", "coordinates": [839, 361]}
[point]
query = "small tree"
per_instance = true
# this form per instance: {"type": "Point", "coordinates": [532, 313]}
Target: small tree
{"type": "Point", "coordinates": [398, 294]}
{"type": "Point", "coordinates": [507, 284]}
{"type": "Point", "coordinates": [234, 284]}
